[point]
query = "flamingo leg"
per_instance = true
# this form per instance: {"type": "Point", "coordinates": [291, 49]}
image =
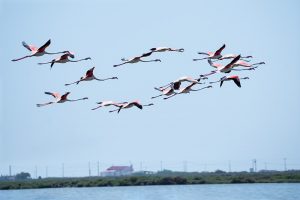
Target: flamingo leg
{"type": "Point", "coordinates": [96, 108]}
{"type": "Point", "coordinates": [157, 96]}
{"type": "Point", "coordinates": [148, 60]}
{"type": "Point", "coordinates": [171, 96]}
{"type": "Point", "coordinates": [72, 83]}
{"type": "Point", "coordinates": [201, 88]}
{"type": "Point", "coordinates": [17, 59]}
{"type": "Point", "coordinates": [120, 64]}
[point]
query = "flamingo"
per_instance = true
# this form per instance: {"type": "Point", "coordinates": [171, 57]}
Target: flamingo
{"type": "Point", "coordinates": [221, 68]}
{"type": "Point", "coordinates": [137, 59]}
{"type": "Point", "coordinates": [234, 78]}
{"type": "Point", "coordinates": [108, 103]}
{"type": "Point", "coordinates": [89, 75]}
{"type": "Point", "coordinates": [59, 98]}
{"type": "Point", "coordinates": [164, 49]}
{"type": "Point", "coordinates": [64, 59]}
{"type": "Point", "coordinates": [212, 55]}
{"type": "Point", "coordinates": [130, 105]}
{"type": "Point", "coordinates": [176, 84]}
{"type": "Point", "coordinates": [166, 91]}
{"type": "Point", "coordinates": [231, 56]}
{"type": "Point", "coordinates": [37, 51]}
{"type": "Point", "coordinates": [241, 63]}
{"type": "Point", "coordinates": [187, 89]}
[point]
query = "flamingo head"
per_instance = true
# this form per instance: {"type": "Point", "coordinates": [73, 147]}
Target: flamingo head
{"type": "Point", "coordinates": [71, 54]}
{"type": "Point", "coordinates": [157, 60]}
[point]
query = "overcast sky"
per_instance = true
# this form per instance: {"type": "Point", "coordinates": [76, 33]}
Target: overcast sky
{"type": "Point", "coordinates": [206, 128]}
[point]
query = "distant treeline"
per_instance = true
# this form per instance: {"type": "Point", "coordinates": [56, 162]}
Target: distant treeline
{"type": "Point", "coordinates": [160, 178]}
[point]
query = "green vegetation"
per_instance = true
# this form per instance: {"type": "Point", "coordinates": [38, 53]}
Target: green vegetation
{"type": "Point", "coordinates": [160, 178]}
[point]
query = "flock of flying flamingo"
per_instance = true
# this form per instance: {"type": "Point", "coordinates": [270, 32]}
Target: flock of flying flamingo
{"type": "Point", "coordinates": [169, 90]}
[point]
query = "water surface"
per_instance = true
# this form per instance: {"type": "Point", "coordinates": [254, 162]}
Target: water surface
{"type": "Point", "coordinates": [277, 191]}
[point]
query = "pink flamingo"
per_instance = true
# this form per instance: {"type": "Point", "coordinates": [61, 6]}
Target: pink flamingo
{"type": "Point", "coordinates": [137, 59]}
{"type": "Point", "coordinates": [187, 90]}
{"type": "Point", "coordinates": [212, 55]}
{"type": "Point", "coordinates": [166, 91]}
{"type": "Point", "coordinates": [130, 105]}
{"type": "Point", "coordinates": [59, 98]}
{"type": "Point", "coordinates": [108, 103]}
{"type": "Point", "coordinates": [241, 63]}
{"type": "Point", "coordinates": [37, 51]}
{"type": "Point", "coordinates": [164, 49]}
{"type": "Point", "coordinates": [231, 56]}
{"type": "Point", "coordinates": [234, 78]}
{"type": "Point", "coordinates": [224, 69]}
{"type": "Point", "coordinates": [64, 59]}
{"type": "Point", "coordinates": [176, 84]}
{"type": "Point", "coordinates": [90, 76]}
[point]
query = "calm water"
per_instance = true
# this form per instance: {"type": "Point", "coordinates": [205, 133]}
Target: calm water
{"type": "Point", "coordinates": [183, 192]}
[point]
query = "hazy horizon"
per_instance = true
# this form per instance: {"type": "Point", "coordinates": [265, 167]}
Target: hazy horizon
{"type": "Point", "coordinates": [258, 121]}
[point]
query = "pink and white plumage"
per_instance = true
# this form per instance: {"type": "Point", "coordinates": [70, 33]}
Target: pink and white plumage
{"type": "Point", "coordinates": [236, 79]}
{"type": "Point", "coordinates": [108, 103]}
{"type": "Point", "coordinates": [64, 59]}
{"type": "Point", "coordinates": [177, 83]}
{"type": "Point", "coordinates": [137, 59]}
{"type": "Point", "coordinates": [187, 90]}
{"type": "Point", "coordinates": [212, 55]}
{"type": "Point", "coordinates": [37, 51]}
{"type": "Point", "coordinates": [165, 91]}
{"type": "Point", "coordinates": [89, 75]}
{"type": "Point", "coordinates": [131, 104]}
{"type": "Point", "coordinates": [59, 98]}
{"type": "Point", "coordinates": [164, 49]}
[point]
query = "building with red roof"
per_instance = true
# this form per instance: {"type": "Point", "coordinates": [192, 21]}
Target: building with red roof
{"type": "Point", "coordinates": [118, 171]}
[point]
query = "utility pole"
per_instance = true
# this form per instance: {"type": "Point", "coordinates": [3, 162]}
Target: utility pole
{"type": "Point", "coordinates": [9, 170]}
{"type": "Point", "coordinates": [185, 166]}
{"type": "Point", "coordinates": [89, 169]}
{"type": "Point", "coordinates": [266, 166]}
{"type": "Point", "coordinates": [161, 166]}
{"type": "Point", "coordinates": [98, 169]}
{"type": "Point", "coordinates": [284, 163]}
{"type": "Point", "coordinates": [229, 166]}
{"type": "Point", "coordinates": [63, 170]}
{"type": "Point", "coordinates": [254, 165]}
{"type": "Point", "coordinates": [35, 171]}
{"type": "Point", "coordinates": [46, 172]}
{"type": "Point", "coordinates": [141, 166]}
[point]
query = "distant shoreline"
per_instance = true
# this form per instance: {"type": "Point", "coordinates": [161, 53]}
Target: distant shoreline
{"type": "Point", "coordinates": [167, 178]}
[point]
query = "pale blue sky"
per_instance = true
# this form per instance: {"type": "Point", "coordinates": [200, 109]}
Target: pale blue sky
{"type": "Point", "coordinates": [259, 120]}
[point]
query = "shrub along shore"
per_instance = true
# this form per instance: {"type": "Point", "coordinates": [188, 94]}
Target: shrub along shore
{"type": "Point", "coordinates": [160, 178]}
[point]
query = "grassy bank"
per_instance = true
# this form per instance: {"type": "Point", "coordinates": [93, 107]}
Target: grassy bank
{"type": "Point", "coordinates": [165, 178]}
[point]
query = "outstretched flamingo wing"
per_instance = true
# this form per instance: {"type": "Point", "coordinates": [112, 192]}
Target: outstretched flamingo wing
{"type": "Point", "coordinates": [232, 62]}
{"type": "Point", "coordinates": [137, 105]}
{"type": "Point", "coordinates": [219, 51]}
{"type": "Point", "coordinates": [89, 72]}
{"type": "Point", "coordinates": [29, 47]}
{"type": "Point", "coordinates": [54, 94]}
{"type": "Point", "coordinates": [146, 54]}
{"type": "Point", "coordinates": [63, 97]}
{"type": "Point", "coordinates": [237, 82]}
{"type": "Point", "coordinates": [42, 48]}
